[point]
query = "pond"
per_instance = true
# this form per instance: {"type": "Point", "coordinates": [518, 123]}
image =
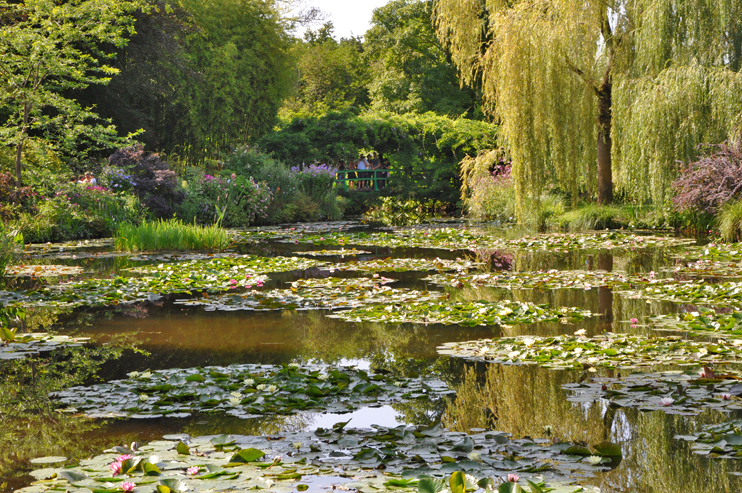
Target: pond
{"type": "Point", "coordinates": [340, 356]}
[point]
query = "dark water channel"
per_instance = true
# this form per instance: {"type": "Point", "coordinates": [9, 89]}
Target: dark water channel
{"type": "Point", "coordinates": [530, 400]}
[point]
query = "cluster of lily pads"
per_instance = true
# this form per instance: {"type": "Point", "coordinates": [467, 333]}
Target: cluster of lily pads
{"type": "Point", "coordinates": [685, 393]}
{"type": "Point", "coordinates": [212, 274]}
{"type": "Point", "coordinates": [704, 320]}
{"type": "Point", "coordinates": [551, 279]}
{"type": "Point", "coordinates": [476, 239]}
{"type": "Point", "coordinates": [461, 313]}
{"type": "Point", "coordinates": [24, 270]}
{"type": "Point", "coordinates": [365, 460]}
{"type": "Point", "coordinates": [17, 346]}
{"type": "Point", "coordinates": [316, 294]}
{"type": "Point", "coordinates": [608, 350]}
{"type": "Point", "coordinates": [406, 265]}
{"type": "Point", "coordinates": [343, 252]}
{"type": "Point", "coordinates": [245, 391]}
{"type": "Point", "coordinates": [721, 441]}
{"type": "Point", "coordinates": [696, 292]}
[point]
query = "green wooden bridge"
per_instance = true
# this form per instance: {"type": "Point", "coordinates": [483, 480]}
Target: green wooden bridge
{"type": "Point", "coordinates": [377, 178]}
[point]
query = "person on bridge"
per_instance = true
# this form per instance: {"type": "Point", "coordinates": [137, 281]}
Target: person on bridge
{"type": "Point", "coordinates": [362, 166]}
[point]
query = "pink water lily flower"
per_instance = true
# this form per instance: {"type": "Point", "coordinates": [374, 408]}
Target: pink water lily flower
{"type": "Point", "coordinates": [634, 321]}
{"type": "Point", "coordinates": [513, 478]}
{"type": "Point", "coordinates": [233, 281]}
{"type": "Point", "coordinates": [193, 470]}
{"type": "Point", "coordinates": [127, 486]}
{"type": "Point", "coordinates": [115, 468]}
{"type": "Point", "coordinates": [725, 397]}
{"type": "Point", "coordinates": [122, 458]}
{"type": "Point", "coordinates": [259, 283]}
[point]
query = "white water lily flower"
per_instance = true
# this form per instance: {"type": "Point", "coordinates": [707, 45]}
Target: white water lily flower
{"type": "Point", "coordinates": [133, 374]}
{"type": "Point", "coordinates": [235, 401]}
{"type": "Point", "coordinates": [143, 397]}
{"type": "Point", "coordinates": [146, 374]}
{"type": "Point", "coordinates": [513, 354]}
{"type": "Point", "coordinates": [249, 382]}
{"type": "Point", "coordinates": [154, 459]}
{"type": "Point", "coordinates": [261, 387]}
{"type": "Point", "coordinates": [528, 341]}
{"type": "Point", "coordinates": [236, 394]}
{"type": "Point", "coordinates": [666, 401]}
{"type": "Point", "coordinates": [271, 388]}
{"type": "Point", "coordinates": [581, 332]}
{"type": "Point", "coordinates": [297, 445]}
{"type": "Point", "coordinates": [593, 459]}
{"type": "Point", "coordinates": [323, 376]}
{"type": "Point", "coordinates": [294, 365]}
{"type": "Point", "coordinates": [737, 342]}
{"type": "Point", "coordinates": [504, 312]}
{"type": "Point", "coordinates": [473, 456]}
{"type": "Point", "coordinates": [578, 351]}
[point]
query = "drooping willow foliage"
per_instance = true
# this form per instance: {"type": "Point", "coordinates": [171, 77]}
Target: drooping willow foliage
{"type": "Point", "coordinates": [658, 76]}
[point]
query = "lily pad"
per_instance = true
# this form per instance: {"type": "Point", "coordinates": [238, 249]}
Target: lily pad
{"type": "Point", "coordinates": [246, 391]}
{"type": "Point", "coordinates": [609, 351]}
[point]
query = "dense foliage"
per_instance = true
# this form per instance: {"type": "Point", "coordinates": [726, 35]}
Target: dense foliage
{"type": "Point", "coordinates": [660, 76]}
{"type": "Point", "coordinates": [425, 149]}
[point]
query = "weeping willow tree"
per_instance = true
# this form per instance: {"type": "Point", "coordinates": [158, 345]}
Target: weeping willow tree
{"type": "Point", "coordinates": [593, 91]}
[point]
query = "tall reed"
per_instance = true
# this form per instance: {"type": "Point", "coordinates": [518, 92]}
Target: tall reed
{"type": "Point", "coordinates": [170, 234]}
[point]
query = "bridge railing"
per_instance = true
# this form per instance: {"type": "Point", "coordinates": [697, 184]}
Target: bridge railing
{"type": "Point", "coordinates": [376, 176]}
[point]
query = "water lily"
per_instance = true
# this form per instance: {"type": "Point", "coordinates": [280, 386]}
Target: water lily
{"type": "Point", "coordinates": [528, 341]}
{"type": "Point", "coordinates": [593, 459]}
{"type": "Point", "coordinates": [249, 382]}
{"type": "Point", "coordinates": [127, 486]}
{"type": "Point", "coordinates": [234, 401]}
{"type": "Point", "coordinates": [634, 321]}
{"type": "Point", "coordinates": [513, 354]}
{"type": "Point", "coordinates": [236, 394]}
{"type": "Point", "coordinates": [143, 397]}
{"type": "Point", "coordinates": [578, 351]}
{"type": "Point", "coordinates": [581, 332]}
{"type": "Point", "coordinates": [725, 397]}
{"type": "Point", "coordinates": [133, 374]}
{"type": "Point", "coordinates": [297, 445]}
{"type": "Point", "coordinates": [193, 470]}
{"type": "Point", "coordinates": [323, 376]}
{"type": "Point", "coordinates": [513, 478]}
{"type": "Point", "coordinates": [667, 401]}
{"type": "Point", "coordinates": [122, 458]}
{"type": "Point", "coordinates": [259, 283]}
{"type": "Point", "coordinates": [271, 388]}
{"type": "Point", "coordinates": [261, 387]}
{"type": "Point", "coordinates": [115, 468]}
{"type": "Point", "coordinates": [294, 365]}
{"type": "Point", "coordinates": [473, 456]}
{"type": "Point", "coordinates": [146, 374]}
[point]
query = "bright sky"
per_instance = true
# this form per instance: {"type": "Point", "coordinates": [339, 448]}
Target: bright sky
{"type": "Point", "coordinates": [350, 17]}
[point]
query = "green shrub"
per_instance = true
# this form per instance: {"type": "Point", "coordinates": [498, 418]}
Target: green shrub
{"type": "Point", "coordinates": [729, 220]}
{"type": "Point", "coordinates": [393, 211]}
{"type": "Point", "coordinates": [171, 234]}
{"type": "Point", "coordinates": [592, 217]}
{"type": "Point", "coordinates": [75, 212]}
{"type": "Point", "coordinates": [10, 242]}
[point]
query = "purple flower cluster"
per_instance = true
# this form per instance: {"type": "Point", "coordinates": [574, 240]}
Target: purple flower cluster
{"type": "Point", "coordinates": [316, 170]}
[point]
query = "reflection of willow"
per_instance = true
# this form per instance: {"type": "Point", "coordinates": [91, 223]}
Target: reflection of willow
{"type": "Point", "coordinates": [217, 424]}
{"type": "Point", "coordinates": [655, 461]}
{"type": "Point", "coordinates": [630, 261]}
{"type": "Point", "coordinates": [37, 318]}
{"type": "Point", "coordinates": [421, 412]}
{"type": "Point", "coordinates": [524, 401]}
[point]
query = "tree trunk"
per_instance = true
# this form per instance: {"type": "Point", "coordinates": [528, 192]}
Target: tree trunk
{"type": "Point", "coordinates": [19, 147]}
{"type": "Point", "coordinates": [605, 174]}
{"type": "Point", "coordinates": [18, 151]}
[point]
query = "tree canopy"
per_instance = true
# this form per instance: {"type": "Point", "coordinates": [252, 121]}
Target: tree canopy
{"type": "Point", "coordinates": [49, 48]}
{"type": "Point", "coordinates": [590, 90]}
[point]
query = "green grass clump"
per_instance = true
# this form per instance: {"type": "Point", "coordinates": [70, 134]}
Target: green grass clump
{"type": "Point", "coordinates": [171, 234]}
{"type": "Point", "coordinates": [592, 217]}
{"type": "Point", "coordinates": [729, 219]}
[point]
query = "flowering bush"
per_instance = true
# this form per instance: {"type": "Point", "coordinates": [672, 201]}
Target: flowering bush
{"type": "Point", "coordinates": [493, 195]}
{"type": "Point", "coordinates": [711, 181]}
{"type": "Point", "coordinates": [77, 211]}
{"type": "Point", "coordinates": [233, 202]}
{"type": "Point", "coordinates": [145, 174]}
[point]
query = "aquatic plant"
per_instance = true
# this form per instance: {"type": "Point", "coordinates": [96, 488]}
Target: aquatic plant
{"type": "Point", "coordinates": [170, 234]}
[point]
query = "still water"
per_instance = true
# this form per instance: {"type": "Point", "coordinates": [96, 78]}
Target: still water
{"type": "Point", "coordinates": [524, 400]}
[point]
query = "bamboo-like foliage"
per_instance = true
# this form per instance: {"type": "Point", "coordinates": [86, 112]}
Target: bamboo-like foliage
{"type": "Point", "coordinates": [670, 68]}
